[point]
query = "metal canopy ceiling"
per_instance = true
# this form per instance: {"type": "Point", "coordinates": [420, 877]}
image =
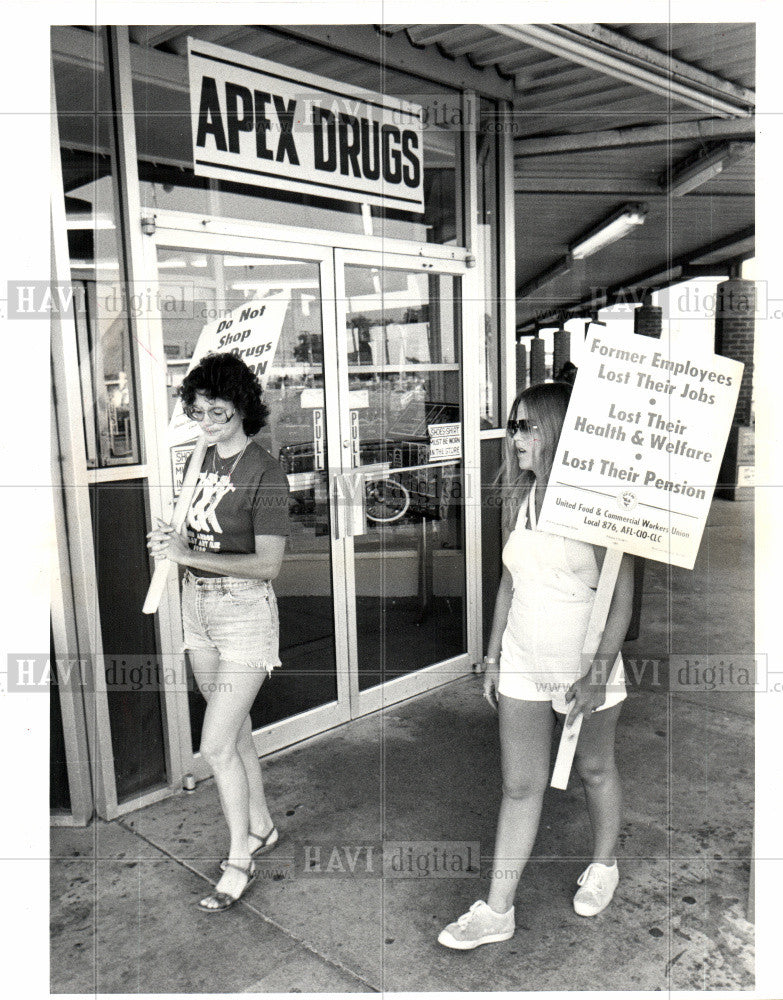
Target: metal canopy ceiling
{"type": "Point", "coordinates": [601, 113]}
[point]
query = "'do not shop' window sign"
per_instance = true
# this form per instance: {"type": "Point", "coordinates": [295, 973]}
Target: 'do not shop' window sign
{"type": "Point", "coordinates": [258, 122]}
{"type": "Point", "coordinates": [641, 446]}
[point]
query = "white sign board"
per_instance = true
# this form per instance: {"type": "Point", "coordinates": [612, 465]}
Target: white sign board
{"type": "Point", "coordinates": [258, 122]}
{"type": "Point", "coordinates": [445, 441]}
{"type": "Point", "coordinates": [251, 331]}
{"type": "Point", "coordinates": [641, 447]}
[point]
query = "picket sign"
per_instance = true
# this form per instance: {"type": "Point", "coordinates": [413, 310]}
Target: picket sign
{"type": "Point", "coordinates": [636, 464]}
{"type": "Point", "coordinates": [595, 629]}
{"type": "Point", "coordinates": [162, 566]}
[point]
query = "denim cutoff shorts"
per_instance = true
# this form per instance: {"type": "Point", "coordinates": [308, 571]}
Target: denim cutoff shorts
{"type": "Point", "coordinates": [236, 617]}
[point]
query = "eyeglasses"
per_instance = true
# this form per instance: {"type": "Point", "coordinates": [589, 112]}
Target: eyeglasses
{"type": "Point", "coordinates": [216, 414]}
{"type": "Point", "coordinates": [523, 425]}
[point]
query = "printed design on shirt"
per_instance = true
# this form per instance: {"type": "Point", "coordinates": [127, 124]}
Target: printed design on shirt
{"type": "Point", "coordinates": [202, 516]}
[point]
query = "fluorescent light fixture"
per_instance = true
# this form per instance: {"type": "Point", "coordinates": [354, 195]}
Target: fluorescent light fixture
{"type": "Point", "coordinates": [691, 173]}
{"type": "Point", "coordinates": [614, 228]}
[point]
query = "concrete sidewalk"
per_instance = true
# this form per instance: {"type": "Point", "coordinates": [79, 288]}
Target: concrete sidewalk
{"type": "Point", "coordinates": [123, 894]}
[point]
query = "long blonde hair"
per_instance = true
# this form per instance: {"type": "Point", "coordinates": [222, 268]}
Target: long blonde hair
{"type": "Point", "coordinates": [546, 404]}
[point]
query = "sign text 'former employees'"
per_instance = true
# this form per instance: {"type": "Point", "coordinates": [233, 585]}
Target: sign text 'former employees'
{"type": "Point", "coordinates": [642, 443]}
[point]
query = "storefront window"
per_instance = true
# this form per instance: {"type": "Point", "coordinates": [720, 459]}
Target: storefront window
{"type": "Point", "coordinates": [105, 353]}
{"type": "Point", "coordinates": [487, 259]}
{"type": "Point", "coordinates": [164, 142]}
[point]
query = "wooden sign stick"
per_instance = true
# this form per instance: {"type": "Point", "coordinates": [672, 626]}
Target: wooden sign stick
{"type": "Point", "coordinates": [162, 567]}
{"type": "Point", "coordinates": [595, 629]}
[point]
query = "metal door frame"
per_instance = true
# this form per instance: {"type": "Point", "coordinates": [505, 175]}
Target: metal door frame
{"type": "Point", "coordinates": [419, 681]}
{"type": "Point", "coordinates": [286, 731]}
{"type": "Point", "coordinates": [180, 231]}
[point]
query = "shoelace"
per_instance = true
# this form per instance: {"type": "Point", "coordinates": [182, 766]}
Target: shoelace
{"type": "Point", "coordinates": [464, 920]}
{"type": "Point", "coordinates": [594, 875]}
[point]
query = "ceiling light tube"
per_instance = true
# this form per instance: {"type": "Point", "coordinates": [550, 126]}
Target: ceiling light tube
{"type": "Point", "coordinates": [690, 175]}
{"type": "Point", "coordinates": [608, 231]}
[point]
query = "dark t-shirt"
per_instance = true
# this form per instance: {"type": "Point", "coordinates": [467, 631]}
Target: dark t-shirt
{"type": "Point", "coordinates": [229, 510]}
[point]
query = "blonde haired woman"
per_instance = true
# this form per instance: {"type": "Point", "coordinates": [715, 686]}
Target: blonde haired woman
{"type": "Point", "coordinates": [534, 668]}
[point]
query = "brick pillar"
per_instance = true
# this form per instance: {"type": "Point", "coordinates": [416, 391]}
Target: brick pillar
{"type": "Point", "coordinates": [561, 351]}
{"type": "Point", "coordinates": [735, 306]}
{"type": "Point", "coordinates": [537, 361]}
{"type": "Point", "coordinates": [521, 367]}
{"type": "Point", "coordinates": [648, 319]}
{"type": "Point", "coordinates": [735, 324]}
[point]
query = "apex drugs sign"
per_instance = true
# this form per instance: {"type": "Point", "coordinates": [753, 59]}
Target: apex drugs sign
{"type": "Point", "coordinates": [641, 447]}
{"type": "Point", "coordinates": [257, 122]}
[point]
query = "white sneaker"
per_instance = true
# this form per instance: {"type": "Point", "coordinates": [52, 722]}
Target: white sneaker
{"type": "Point", "coordinates": [480, 925]}
{"type": "Point", "coordinates": [598, 883]}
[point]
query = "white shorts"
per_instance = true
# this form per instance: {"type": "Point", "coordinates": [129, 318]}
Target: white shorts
{"type": "Point", "coordinates": [534, 685]}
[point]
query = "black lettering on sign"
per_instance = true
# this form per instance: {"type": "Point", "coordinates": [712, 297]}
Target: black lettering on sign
{"type": "Point", "coordinates": [210, 117]}
{"type": "Point", "coordinates": [285, 146]}
{"type": "Point", "coordinates": [392, 166]}
{"type": "Point", "coordinates": [411, 172]}
{"type": "Point", "coordinates": [236, 123]}
{"type": "Point", "coordinates": [349, 145]}
{"type": "Point", "coordinates": [371, 154]}
{"type": "Point", "coordinates": [263, 124]}
{"type": "Point", "coordinates": [325, 140]}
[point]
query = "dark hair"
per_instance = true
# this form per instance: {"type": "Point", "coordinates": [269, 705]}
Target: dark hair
{"type": "Point", "coordinates": [225, 376]}
{"type": "Point", "coordinates": [546, 404]}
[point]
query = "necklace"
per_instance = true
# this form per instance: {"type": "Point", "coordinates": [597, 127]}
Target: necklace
{"type": "Point", "coordinates": [233, 466]}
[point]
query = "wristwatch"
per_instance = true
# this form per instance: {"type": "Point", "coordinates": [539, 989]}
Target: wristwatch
{"type": "Point", "coordinates": [492, 660]}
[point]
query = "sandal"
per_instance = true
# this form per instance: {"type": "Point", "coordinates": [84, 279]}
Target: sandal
{"type": "Point", "coordinates": [223, 899]}
{"type": "Point", "coordinates": [267, 843]}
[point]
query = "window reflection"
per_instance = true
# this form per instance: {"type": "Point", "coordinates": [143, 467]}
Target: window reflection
{"type": "Point", "coordinates": [102, 305]}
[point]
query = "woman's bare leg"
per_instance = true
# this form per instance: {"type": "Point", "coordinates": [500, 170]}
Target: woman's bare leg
{"type": "Point", "coordinates": [596, 766]}
{"type": "Point", "coordinates": [260, 820]}
{"type": "Point", "coordinates": [205, 665]}
{"type": "Point", "coordinates": [228, 706]}
{"type": "Point", "coordinates": [525, 736]}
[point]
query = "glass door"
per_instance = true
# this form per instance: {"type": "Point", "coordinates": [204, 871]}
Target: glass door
{"type": "Point", "coordinates": [366, 398]}
{"type": "Point", "coordinates": [402, 514]}
{"type": "Point", "coordinates": [203, 281]}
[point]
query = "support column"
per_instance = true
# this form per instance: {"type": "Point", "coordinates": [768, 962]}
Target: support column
{"type": "Point", "coordinates": [735, 326]}
{"type": "Point", "coordinates": [522, 381]}
{"type": "Point", "coordinates": [561, 352]}
{"type": "Point", "coordinates": [648, 319]}
{"type": "Point", "coordinates": [537, 361]}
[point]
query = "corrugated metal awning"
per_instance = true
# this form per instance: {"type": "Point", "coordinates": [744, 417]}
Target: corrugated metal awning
{"type": "Point", "coordinates": [603, 115]}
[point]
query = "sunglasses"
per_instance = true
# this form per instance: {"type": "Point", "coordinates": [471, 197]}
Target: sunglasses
{"type": "Point", "coordinates": [523, 425]}
{"type": "Point", "coordinates": [217, 415]}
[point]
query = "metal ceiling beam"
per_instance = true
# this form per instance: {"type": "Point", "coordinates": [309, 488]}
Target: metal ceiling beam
{"type": "Point", "coordinates": [662, 60]}
{"type": "Point", "coordinates": [648, 281]}
{"type": "Point", "coordinates": [527, 184]}
{"type": "Point", "coordinates": [645, 74]}
{"type": "Point", "coordinates": [398, 53]}
{"type": "Point", "coordinates": [706, 129]}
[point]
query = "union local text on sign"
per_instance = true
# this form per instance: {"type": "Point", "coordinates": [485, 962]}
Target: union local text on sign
{"type": "Point", "coordinates": [641, 447]}
{"type": "Point", "coordinates": [257, 122]}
